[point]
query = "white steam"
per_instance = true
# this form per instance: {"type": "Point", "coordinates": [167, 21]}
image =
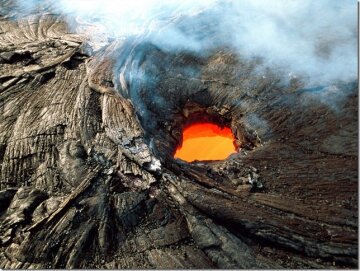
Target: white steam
{"type": "Point", "coordinates": [313, 38]}
{"type": "Point", "coordinates": [307, 38]}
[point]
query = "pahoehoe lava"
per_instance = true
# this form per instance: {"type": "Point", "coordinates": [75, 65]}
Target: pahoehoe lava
{"type": "Point", "coordinates": [88, 177]}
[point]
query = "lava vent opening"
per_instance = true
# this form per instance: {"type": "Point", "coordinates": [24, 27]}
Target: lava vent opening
{"type": "Point", "coordinates": [205, 141]}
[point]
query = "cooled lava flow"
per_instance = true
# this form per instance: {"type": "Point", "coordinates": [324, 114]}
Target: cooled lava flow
{"type": "Point", "coordinates": [206, 141]}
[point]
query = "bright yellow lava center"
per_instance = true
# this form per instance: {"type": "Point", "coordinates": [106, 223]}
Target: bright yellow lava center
{"type": "Point", "coordinates": [206, 141]}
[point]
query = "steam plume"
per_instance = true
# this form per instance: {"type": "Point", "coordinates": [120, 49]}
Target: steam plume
{"type": "Point", "coordinates": [315, 39]}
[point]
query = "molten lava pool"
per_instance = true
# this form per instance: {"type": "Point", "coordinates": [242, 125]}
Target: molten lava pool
{"type": "Point", "coordinates": [206, 141]}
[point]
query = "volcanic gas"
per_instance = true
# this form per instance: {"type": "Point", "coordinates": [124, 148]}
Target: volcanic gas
{"type": "Point", "coordinates": [206, 141]}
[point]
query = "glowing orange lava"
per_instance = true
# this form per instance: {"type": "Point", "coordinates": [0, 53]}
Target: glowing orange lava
{"type": "Point", "coordinates": [206, 141]}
